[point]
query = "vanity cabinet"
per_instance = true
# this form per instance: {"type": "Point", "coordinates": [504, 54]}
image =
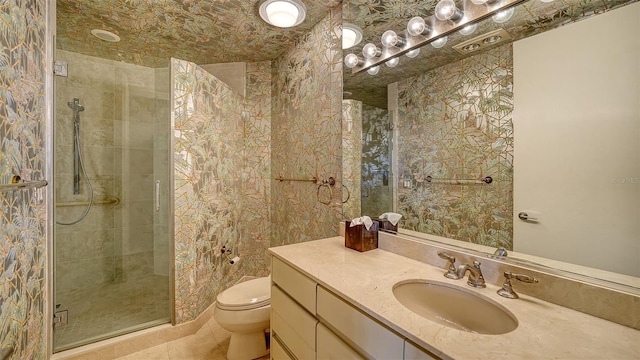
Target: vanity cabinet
{"type": "Point", "coordinates": [310, 322]}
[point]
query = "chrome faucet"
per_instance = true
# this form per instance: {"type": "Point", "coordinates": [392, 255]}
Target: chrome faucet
{"type": "Point", "coordinates": [452, 272]}
{"type": "Point", "coordinates": [476, 279]}
{"type": "Point", "coordinates": [507, 288]}
{"type": "Point", "coordinates": [475, 273]}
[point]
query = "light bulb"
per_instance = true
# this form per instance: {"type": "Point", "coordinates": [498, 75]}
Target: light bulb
{"type": "Point", "coordinates": [439, 43]}
{"type": "Point", "coordinates": [447, 10]}
{"type": "Point", "coordinates": [503, 16]}
{"type": "Point", "coordinates": [479, 2]}
{"type": "Point", "coordinates": [282, 13]}
{"type": "Point", "coordinates": [370, 51]}
{"type": "Point", "coordinates": [392, 62]}
{"type": "Point", "coordinates": [374, 70]}
{"type": "Point", "coordinates": [390, 38]}
{"type": "Point", "coordinates": [468, 30]}
{"type": "Point", "coordinates": [413, 53]}
{"type": "Point", "coordinates": [352, 60]}
{"type": "Point", "coordinates": [417, 26]}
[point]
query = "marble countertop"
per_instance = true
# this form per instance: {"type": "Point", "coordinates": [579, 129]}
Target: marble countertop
{"type": "Point", "coordinates": [545, 330]}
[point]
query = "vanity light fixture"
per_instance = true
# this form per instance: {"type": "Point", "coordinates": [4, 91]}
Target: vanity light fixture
{"type": "Point", "coordinates": [447, 10]}
{"type": "Point", "coordinates": [440, 42]}
{"type": "Point", "coordinates": [418, 26]}
{"type": "Point", "coordinates": [374, 70]}
{"type": "Point", "coordinates": [393, 62]}
{"type": "Point", "coordinates": [434, 30]}
{"type": "Point", "coordinates": [351, 35]}
{"type": "Point", "coordinates": [503, 16]}
{"type": "Point", "coordinates": [352, 60]}
{"type": "Point", "coordinates": [390, 38]}
{"type": "Point", "coordinates": [468, 30]}
{"type": "Point", "coordinates": [413, 53]}
{"type": "Point", "coordinates": [283, 13]}
{"type": "Point", "coordinates": [371, 51]}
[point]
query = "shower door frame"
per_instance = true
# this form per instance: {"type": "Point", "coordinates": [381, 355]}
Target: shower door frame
{"type": "Point", "coordinates": [49, 303]}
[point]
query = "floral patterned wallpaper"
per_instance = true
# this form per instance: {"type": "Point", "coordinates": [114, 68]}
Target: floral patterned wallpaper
{"type": "Point", "coordinates": [306, 135]}
{"type": "Point", "coordinates": [201, 31]}
{"type": "Point", "coordinates": [352, 157]}
{"type": "Point", "coordinates": [23, 257]}
{"type": "Point", "coordinates": [221, 183]}
{"type": "Point", "coordinates": [456, 124]}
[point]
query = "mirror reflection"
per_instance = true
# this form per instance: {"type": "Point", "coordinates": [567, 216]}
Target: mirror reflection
{"type": "Point", "coordinates": [455, 117]}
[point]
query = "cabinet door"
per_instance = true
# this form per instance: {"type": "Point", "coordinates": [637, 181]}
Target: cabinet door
{"type": "Point", "coordinates": [277, 351]}
{"type": "Point", "coordinates": [331, 347]}
{"type": "Point", "coordinates": [297, 286]}
{"type": "Point", "coordinates": [293, 325]}
{"type": "Point", "coordinates": [412, 352]}
{"type": "Point", "coordinates": [368, 336]}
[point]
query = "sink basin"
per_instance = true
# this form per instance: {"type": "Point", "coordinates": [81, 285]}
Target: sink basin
{"type": "Point", "coordinates": [455, 307]}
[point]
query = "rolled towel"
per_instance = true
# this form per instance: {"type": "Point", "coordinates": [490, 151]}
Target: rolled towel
{"type": "Point", "coordinates": [362, 220]}
{"type": "Point", "coordinates": [392, 217]}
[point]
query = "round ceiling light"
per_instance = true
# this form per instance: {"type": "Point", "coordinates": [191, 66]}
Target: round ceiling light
{"type": "Point", "coordinates": [283, 13]}
{"type": "Point", "coordinates": [105, 35]}
{"type": "Point", "coordinates": [351, 35]}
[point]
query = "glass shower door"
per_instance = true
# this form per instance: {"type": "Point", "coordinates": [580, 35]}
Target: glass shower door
{"type": "Point", "coordinates": [112, 259]}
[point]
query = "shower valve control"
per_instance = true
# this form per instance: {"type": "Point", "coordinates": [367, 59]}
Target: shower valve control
{"type": "Point", "coordinates": [61, 68]}
{"type": "Point", "coordinates": [60, 318]}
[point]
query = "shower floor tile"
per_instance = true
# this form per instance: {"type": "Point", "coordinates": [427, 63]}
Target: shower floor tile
{"type": "Point", "coordinates": [112, 310]}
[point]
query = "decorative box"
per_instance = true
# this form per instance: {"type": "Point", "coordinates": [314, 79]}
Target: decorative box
{"type": "Point", "coordinates": [359, 238]}
{"type": "Point", "coordinates": [385, 224]}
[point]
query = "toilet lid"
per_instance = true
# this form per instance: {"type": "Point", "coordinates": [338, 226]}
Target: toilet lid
{"type": "Point", "coordinates": [246, 295]}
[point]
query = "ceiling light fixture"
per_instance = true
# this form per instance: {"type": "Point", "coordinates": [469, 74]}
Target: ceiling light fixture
{"type": "Point", "coordinates": [351, 35]}
{"type": "Point", "coordinates": [105, 35]}
{"type": "Point", "coordinates": [283, 13]}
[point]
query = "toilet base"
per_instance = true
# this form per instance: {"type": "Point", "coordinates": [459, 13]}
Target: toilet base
{"type": "Point", "coordinates": [247, 346]}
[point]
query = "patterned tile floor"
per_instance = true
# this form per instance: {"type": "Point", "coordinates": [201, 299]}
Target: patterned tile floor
{"type": "Point", "coordinates": [113, 309]}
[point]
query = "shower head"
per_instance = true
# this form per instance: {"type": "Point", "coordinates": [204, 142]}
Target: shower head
{"type": "Point", "coordinates": [75, 105]}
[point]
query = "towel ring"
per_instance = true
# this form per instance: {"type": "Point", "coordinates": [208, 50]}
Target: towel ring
{"type": "Point", "coordinates": [348, 193]}
{"type": "Point", "coordinates": [330, 194]}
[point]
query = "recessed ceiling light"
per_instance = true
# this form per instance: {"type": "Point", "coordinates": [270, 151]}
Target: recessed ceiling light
{"type": "Point", "coordinates": [105, 35]}
{"type": "Point", "coordinates": [283, 13]}
{"type": "Point", "coordinates": [351, 35]}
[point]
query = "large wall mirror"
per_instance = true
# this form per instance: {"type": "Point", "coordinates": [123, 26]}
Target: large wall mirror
{"type": "Point", "coordinates": [522, 134]}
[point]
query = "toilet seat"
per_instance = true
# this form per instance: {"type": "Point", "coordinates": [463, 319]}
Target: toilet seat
{"type": "Point", "coordinates": [247, 295]}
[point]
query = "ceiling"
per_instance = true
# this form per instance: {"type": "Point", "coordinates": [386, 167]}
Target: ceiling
{"type": "Point", "coordinates": [374, 17]}
{"type": "Point", "coordinates": [201, 31]}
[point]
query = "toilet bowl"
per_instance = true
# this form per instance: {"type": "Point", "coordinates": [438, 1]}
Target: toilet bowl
{"type": "Point", "coordinates": [244, 311]}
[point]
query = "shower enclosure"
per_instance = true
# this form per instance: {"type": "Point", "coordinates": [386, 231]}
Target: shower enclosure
{"type": "Point", "coordinates": [111, 161]}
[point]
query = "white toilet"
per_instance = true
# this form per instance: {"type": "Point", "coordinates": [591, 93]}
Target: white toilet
{"type": "Point", "coordinates": [244, 311]}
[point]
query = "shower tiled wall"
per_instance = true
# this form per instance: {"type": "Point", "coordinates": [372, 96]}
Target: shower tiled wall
{"type": "Point", "coordinates": [306, 135]}
{"type": "Point", "coordinates": [23, 256]}
{"type": "Point", "coordinates": [376, 168]}
{"type": "Point", "coordinates": [456, 124]}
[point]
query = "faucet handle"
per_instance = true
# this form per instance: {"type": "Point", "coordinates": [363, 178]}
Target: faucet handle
{"type": "Point", "coordinates": [507, 288]}
{"type": "Point", "coordinates": [451, 273]}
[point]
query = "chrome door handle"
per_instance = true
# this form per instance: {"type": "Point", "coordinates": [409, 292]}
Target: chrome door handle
{"type": "Point", "coordinates": [157, 195]}
{"type": "Point", "coordinates": [524, 216]}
